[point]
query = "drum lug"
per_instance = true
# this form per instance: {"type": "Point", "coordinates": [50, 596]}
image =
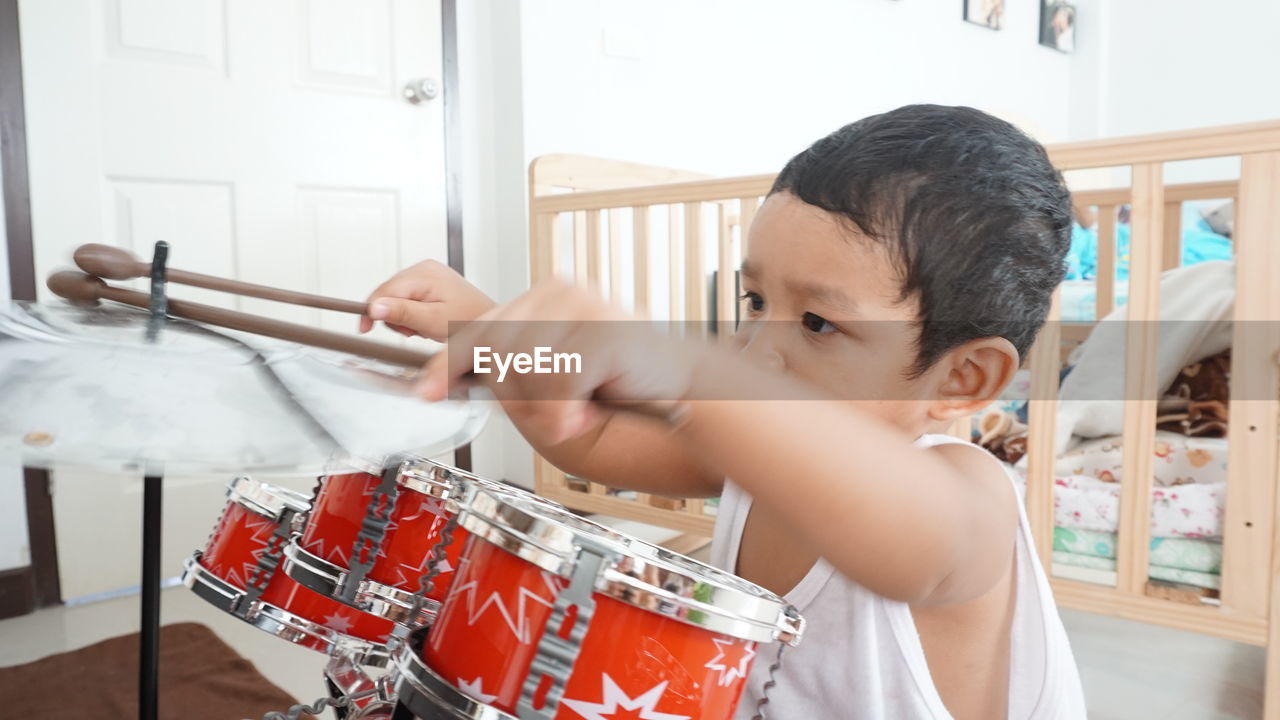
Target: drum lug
{"type": "Point", "coordinates": [556, 655]}
{"type": "Point", "coordinates": [373, 529]}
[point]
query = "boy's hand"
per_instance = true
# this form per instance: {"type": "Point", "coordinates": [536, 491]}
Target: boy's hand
{"type": "Point", "coordinates": [622, 360]}
{"type": "Point", "coordinates": [423, 300]}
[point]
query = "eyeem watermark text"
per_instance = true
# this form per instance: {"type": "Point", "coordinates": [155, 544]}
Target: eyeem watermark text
{"type": "Point", "coordinates": [541, 362]}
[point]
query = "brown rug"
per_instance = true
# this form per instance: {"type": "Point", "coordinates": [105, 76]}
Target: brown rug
{"type": "Point", "coordinates": [201, 678]}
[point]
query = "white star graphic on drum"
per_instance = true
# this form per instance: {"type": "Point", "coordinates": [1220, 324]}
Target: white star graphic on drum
{"type": "Point", "coordinates": [338, 623]}
{"type": "Point", "coordinates": [615, 699]}
{"type": "Point", "coordinates": [517, 622]}
{"type": "Point", "coordinates": [407, 574]}
{"type": "Point", "coordinates": [475, 690]}
{"type": "Point", "coordinates": [725, 664]}
{"type": "Point", "coordinates": [262, 529]}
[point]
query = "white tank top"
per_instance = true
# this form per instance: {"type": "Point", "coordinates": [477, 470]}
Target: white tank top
{"type": "Point", "coordinates": [861, 655]}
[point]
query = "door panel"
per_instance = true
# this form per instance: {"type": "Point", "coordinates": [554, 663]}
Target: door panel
{"type": "Point", "coordinates": [266, 141]}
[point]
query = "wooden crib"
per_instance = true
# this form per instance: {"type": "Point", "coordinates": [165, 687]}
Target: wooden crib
{"type": "Point", "coordinates": [667, 244]}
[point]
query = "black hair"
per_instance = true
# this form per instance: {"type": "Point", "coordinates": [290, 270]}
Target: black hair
{"type": "Point", "coordinates": [976, 219]}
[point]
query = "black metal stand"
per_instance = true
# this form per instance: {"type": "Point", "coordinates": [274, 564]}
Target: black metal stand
{"type": "Point", "coordinates": [152, 527]}
{"type": "Point", "coordinates": [149, 652]}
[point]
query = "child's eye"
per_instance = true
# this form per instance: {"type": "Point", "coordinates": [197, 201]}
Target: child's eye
{"type": "Point", "coordinates": [816, 324]}
{"type": "Point", "coordinates": [755, 303]}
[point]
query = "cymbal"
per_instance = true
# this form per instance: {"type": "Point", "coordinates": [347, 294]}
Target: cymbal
{"type": "Point", "coordinates": [83, 386]}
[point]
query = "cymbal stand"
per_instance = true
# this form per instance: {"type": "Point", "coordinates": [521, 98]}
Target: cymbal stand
{"type": "Point", "coordinates": [152, 524]}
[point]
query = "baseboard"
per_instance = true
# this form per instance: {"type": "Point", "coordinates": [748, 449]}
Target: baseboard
{"type": "Point", "coordinates": [17, 592]}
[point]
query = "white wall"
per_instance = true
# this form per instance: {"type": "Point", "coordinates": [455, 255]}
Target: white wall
{"type": "Point", "coordinates": [1191, 64]}
{"type": "Point", "coordinates": [14, 550]}
{"type": "Point", "coordinates": [739, 86]}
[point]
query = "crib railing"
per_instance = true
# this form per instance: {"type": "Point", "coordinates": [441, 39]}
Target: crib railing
{"type": "Point", "coordinates": [654, 247]}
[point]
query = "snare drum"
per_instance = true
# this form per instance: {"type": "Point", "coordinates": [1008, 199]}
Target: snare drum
{"type": "Point", "coordinates": [552, 616]}
{"type": "Point", "coordinates": [238, 572]}
{"type": "Point", "coordinates": [369, 539]}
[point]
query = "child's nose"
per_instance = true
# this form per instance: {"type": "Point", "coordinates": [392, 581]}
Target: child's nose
{"type": "Point", "coordinates": [757, 343]}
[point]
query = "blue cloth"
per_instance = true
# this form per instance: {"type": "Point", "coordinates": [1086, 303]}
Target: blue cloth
{"type": "Point", "coordinates": [1199, 243]}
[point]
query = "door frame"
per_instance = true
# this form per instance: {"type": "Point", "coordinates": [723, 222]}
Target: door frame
{"type": "Point", "coordinates": [24, 590]}
{"type": "Point", "coordinates": [37, 585]}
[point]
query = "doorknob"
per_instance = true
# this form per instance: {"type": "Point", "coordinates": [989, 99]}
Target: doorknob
{"type": "Point", "coordinates": [421, 90]}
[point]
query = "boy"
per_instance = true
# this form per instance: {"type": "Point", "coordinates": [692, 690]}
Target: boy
{"type": "Point", "coordinates": [896, 274]}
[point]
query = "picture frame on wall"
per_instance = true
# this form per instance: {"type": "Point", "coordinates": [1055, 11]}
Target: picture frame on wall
{"type": "Point", "coordinates": [1058, 25]}
{"type": "Point", "coordinates": [987, 13]}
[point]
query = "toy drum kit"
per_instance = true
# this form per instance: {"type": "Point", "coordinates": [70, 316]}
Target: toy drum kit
{"type": "Point", "coordinates": [433, 592]}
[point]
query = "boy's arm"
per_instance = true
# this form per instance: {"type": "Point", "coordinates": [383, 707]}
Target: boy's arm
{"type": "Point", "coordinates": [629, 453]}
{"type": "Point", "coordinates": [925, 527]}
{"type": "Point", "coordinates": [430, 299]}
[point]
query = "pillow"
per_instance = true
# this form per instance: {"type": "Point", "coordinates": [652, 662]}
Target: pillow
{"type": "Point", "coordinates": [1199, 297]}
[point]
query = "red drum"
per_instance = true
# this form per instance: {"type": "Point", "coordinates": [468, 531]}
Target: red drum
{"type": "Point", "coordinates": [552, 616]}
{"type": "Point", "coordinates": [390, 525]}
{"type": "Point", "coordinates": [238, 572]}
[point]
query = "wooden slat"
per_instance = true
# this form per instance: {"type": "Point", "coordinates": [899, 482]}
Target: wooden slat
{"type": "Point", "coordinates": [747, 207]}
{"type": "Point", "coordinates": [1171, 247]}
{"type": "Point", "coordinates": [673, 193]}
{"type": "Point", "coordinates": [1106, 271]}
{"type": "Point", "coordinates": [675, 254]}
{"type": "Point", "coordinates": [595, 251]}
{"type": "Point", "coordinates": [597, 489]}
{"type": "Point", "coordinates": [640, 257]}
{"type": "Point", "coordinates": [1168, 146]}
{"type": "Point", "coordinates": [580, 242]}
{"type": "Point", "coordinates": [686, 544]}
{"type": "Point", "coordinates": [616, 263]}
{"type": "Point", "coordinates": [726, 279]}
{"type": "Point", "coordinates": [547, 477]}
{"type": "Point", "coordinates": [695, 285]}
{"type": "Point", "coordinates": [1041, 425]}
{"type": "Point", "coordinates": [617, 507]}
{"type": "Point", "coordinates": [1251, 453]}
{"type": "Point", "coordinates": [545, 245]}
{"type": "Point", "coordinates": [1206, 620]}
{"type": "Point", "coordinates": [583, 172]}
{"type": "Point", "coordinates": [1182, 192]}
{"type": "Point", "coordinates": [1141, 337]}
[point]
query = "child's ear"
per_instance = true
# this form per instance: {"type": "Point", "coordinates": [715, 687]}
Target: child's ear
{"type": "Point", "coordinates": [972, 376]}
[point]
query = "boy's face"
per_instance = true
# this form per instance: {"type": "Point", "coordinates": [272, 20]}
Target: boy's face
{"type": "Point", "coordinates": [821, 303]}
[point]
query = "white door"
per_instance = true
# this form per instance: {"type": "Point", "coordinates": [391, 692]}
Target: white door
{"type": "Point", "coordinates": [266, 140]}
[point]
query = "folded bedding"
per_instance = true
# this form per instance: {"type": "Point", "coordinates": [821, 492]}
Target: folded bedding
{"type": "Point", "coordinates": [1177, 459]}
{"type": "Point", "coordinates": [1177, 553]}
{"type": "Point", "coordinates": [1188, 511]}
{"type": "Point", "coordinates": [1155, 572]}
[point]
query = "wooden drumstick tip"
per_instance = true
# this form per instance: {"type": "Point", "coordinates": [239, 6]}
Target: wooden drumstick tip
{"type": "Point", "coordinates": [75, 286]}
{"type": "Point", "coordinates": [108, 262]}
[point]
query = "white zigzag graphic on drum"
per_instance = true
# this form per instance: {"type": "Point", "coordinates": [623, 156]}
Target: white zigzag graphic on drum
{"type": "Point", "coordinates": [415, 573]}
{"type": "Point", "coordinates": [262, 529]}
{"type": "Point", "coordinates": [733, 670]}
{"type": "Point", "coordinates": [339, 554]}
{"type": "Point", "coordinates": [615, 699]}
{"type": "Point", "coordinates": [465, 586]}
{"type": "Point", "coordinates": [475, 689]}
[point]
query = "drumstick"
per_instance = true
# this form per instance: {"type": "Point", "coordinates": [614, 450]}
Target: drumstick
{"type": "Point", "coordinates": [113, 263]}
{"type": "Point", "coordinates": [81, 287]}
{"type": "Point", "coordinates": [84, 288]}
